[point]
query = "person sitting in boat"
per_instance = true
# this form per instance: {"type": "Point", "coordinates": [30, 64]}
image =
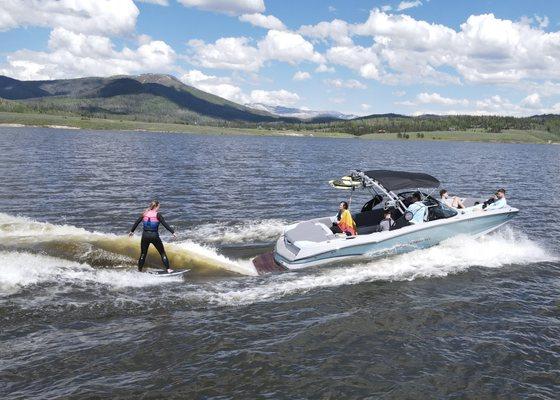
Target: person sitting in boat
{"type": "Point", "coordinates": [387, 221]}
{"type": "Point", "coordinates": [418, 209]}
{"type": "Point", "coordinates": [344, 222]}
{"type": "Point", "coordinates": [454, 201]}
{"type": "Point", "coordinates": [499, 202]}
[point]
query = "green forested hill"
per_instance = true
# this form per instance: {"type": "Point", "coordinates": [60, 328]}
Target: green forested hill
{"type": "Point", "coordinates": [164, 99]}
{"type": "Point", "coordinates": [148, 97]}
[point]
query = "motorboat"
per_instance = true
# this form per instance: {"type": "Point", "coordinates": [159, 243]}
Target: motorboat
{"type": "Point", "coordinates": [313, 242]}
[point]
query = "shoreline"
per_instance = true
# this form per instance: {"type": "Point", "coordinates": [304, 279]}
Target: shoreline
{"type": "Point", "coordinates": [53, 121]}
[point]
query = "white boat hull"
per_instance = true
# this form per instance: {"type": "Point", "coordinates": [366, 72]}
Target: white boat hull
{"type": "Point", "coordinates": [409, 238]}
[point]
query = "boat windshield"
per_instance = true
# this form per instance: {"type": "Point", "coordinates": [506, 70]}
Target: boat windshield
{"type": "Point", "coordinates": [437, 209]}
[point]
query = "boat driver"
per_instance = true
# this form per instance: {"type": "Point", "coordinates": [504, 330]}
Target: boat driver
{"type": "Point", "coordinates": [418, 209]}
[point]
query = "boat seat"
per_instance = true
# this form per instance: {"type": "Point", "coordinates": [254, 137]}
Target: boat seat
{"type": "Point", "coordinates": [368, 221]}
{"type": "Point", "coordinates": [400, 223]}
{"type": "Point", "coordinates": [309, 231]}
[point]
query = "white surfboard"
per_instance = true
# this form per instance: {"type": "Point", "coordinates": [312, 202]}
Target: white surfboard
{"type": "Point", "coordinates": [163, 273]}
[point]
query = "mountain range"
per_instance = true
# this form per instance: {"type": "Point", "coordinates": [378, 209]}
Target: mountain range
{"type": "Point", "coordinates": [164, 98]}
{"type": "Point", "coordinates": [150, 96]}
{"type": "Point", "coordinates": [301, 113]}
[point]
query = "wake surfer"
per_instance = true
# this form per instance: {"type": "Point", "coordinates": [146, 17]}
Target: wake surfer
{"type": "Point", "coordinates": [151, 218]}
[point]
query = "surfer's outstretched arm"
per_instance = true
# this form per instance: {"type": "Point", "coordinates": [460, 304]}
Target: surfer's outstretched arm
{"type": "Point", "coordinates": [162, 220]}
{"type": "Point", "coordinates": [136, 224]}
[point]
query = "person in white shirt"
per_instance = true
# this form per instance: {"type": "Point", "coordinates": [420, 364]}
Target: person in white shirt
{"type": "Point", "coordinates": [454, 201]}
{"type": "Point", "coordinates": [418, 209]}
{"type": "Point", "coordinates": [500, 202]}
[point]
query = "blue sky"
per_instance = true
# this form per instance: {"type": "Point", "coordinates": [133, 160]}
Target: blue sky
{"type": "Point", "coordinates": [359, 57]}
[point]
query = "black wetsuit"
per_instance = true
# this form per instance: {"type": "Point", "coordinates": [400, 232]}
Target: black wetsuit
{"type": "Point", "coordinates": [151, 235]}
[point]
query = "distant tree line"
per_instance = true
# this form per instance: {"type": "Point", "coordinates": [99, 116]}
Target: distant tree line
{"type": "Point", "coordinates": [155, 109]}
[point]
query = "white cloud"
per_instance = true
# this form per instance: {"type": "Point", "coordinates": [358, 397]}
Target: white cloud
{"type": "Point", "coordinates": [156, 2]}
{"type": "Point", "coordinates": [231, 7]}
{"type": "Point", "coordinates": [359, 58]}
{"type": "Point", "coordinates": [544, 89]}
{"type": "Point", "coordinates": [76, 55]}
{"type": "Point", "coordinates": [224, 87]}
{"type": "Point", "coordinates": [263, 21]}
{"type": "Point", "coordinates": [486, 49]}
{"type": "Point", "coordinates": [324, 68]}
{"type": "Point", "coordinates": [405, 5]}
{"type": "Point", "coordinates": [289, 47]}
{"type": "Point", "coordinates": [336, 30]}
{"type": "Point", "coordinates": [502, 51]}
{"type": "Point", "coordinates": [365, 106]}
{"type": "Point", "coordinates": [332, 9]}
{"type": "Point", "coordinates": [433, 98]}
{"type": "Point", "coordinates": [219, 86]}
{"type": "Point", "coordinates": [237, 53]}
{"type": "Point", "coordinates": [493, 105]}
{"type": "Point", "coordinates": [100, 17]}
{"type": "Point", "coordinates": [386, 8]}
{"type": "Point", "coordinates": [274, 97]}
{"type": "Point", "coordinates": [542, 21]}
{"type": "Point", "coordinates": [406, 103]}
{"type": "Point", "coordinates": [436, 98]}
{"type": "Point", "coordinates": [301, 76]}
{"type": "Point", "coordinates": [227, 53]}
{"type": "Point", "coordinates": [348, 84]}
{"type": "Point", "coordinates": [532, 101]}
{"type": "Point", "coordinates": [404, 32]}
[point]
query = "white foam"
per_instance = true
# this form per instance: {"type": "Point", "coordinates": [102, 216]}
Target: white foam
{"type": "Point", "coordinates": [255, 232]}
{"type": "Point", "coordinates": [22, 227]}
{"type": "Point", "coordinates": [25, 231]}
{"type": "Point", "coordinates": [19, 270]}
{"type": "Point", "coordinates": [451, 257]}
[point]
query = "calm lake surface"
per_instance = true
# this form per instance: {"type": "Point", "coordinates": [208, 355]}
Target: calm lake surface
{"type": "Point", "coordinates": [470, 318]}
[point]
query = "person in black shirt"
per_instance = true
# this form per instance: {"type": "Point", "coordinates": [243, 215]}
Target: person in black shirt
{"type": "Point", "coordinates": [151, 218]}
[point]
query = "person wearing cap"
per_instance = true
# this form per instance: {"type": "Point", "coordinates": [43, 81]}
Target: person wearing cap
{"type": "Point", "coordinates": [418, 209]}
{"type": "Point", "coordinates": [500, 201]}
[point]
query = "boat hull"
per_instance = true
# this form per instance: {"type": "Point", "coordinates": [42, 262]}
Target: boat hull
{"type": "Point", "coordinates": [400, 241]}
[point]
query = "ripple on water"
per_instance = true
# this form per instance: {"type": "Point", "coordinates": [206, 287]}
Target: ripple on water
{"type": "Point", "coordinates": [467, 319]}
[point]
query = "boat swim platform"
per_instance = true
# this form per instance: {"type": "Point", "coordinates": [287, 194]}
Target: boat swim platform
{"type": "Point", "coordinates": [266, 264]}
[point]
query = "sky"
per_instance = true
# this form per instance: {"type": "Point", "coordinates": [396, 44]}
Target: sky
{"type": "Point", "coordinates": [487, 57]}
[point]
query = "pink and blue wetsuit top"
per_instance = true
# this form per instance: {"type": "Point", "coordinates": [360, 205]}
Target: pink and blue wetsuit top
{"type": "Point", "coordinates": [150, 222]}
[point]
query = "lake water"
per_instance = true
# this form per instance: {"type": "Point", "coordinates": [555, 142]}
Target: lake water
{"type": "Point", "coordinates": [466, 319]}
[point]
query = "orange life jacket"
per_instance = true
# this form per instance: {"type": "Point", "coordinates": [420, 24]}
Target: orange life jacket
{"type": "Point", "coordinates": [347, 224]}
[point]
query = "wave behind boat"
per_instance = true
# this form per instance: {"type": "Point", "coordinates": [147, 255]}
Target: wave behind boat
{"type": "Point", "coordinates": [107, 250]}
{"type": "Point", "coordinates": [20, 271]}
{"type": "Point", "coordinates": [456, 255]}
{"type": "Point", "coordinates": [24, 268]}
{"type": "Point", "coordinates": [236, 233]}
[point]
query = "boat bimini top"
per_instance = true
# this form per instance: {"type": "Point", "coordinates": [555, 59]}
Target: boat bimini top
{"type": "Point", "coordinates": [385, 181]}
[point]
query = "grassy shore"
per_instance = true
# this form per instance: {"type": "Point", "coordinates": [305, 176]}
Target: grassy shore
{"type": "Point", "coordinates": [59, 121]}
{"type": "Point", "coordinates": [506, 136]}
{"type": "Point", "coordinates": [47, 120]}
